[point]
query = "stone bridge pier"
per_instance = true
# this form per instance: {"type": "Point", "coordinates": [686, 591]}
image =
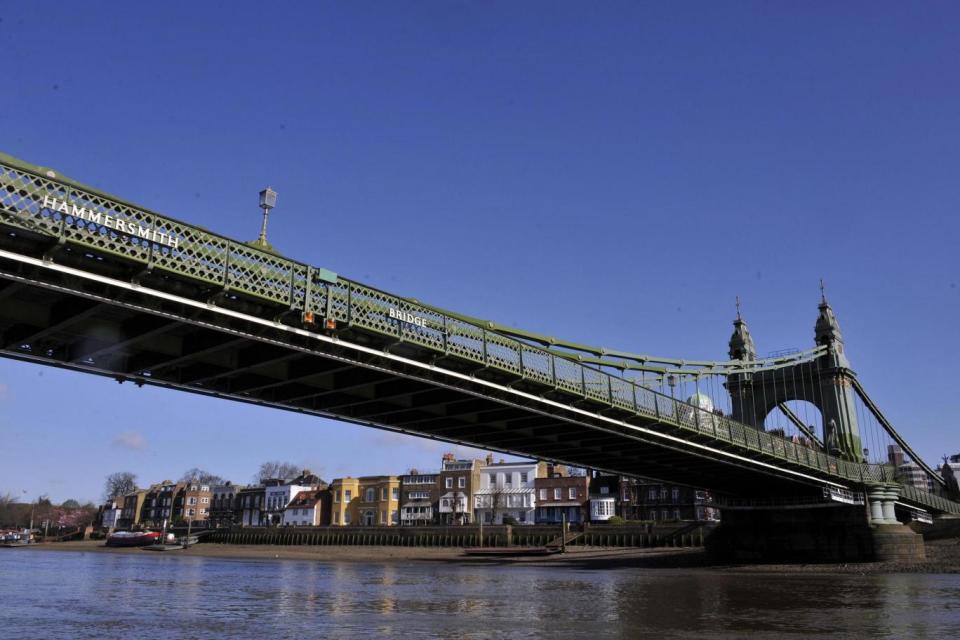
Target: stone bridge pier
{"type": "Point", "coordinates": [807, 530]}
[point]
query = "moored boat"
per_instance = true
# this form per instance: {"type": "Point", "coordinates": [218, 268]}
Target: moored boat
{"type": "Point", "coordinates": [133, 538]}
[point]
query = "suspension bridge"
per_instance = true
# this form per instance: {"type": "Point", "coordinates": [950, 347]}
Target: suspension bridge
{"type": "Point", "coordinates": [96, 284]}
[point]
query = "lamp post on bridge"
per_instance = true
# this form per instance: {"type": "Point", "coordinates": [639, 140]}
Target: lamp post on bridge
{"type": "Point", "coordinates": [268, 200]}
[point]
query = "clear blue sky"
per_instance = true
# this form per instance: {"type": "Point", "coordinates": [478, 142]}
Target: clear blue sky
{"type": "Point", "coordinates": [613, 173]}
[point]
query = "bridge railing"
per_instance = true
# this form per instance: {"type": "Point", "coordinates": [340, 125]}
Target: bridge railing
{"type": "Point", "coordinates": [33, 200]}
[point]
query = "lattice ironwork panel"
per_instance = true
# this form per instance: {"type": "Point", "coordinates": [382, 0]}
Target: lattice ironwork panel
{"type": "Point", "coordinates": [370, 309]}
{"type": "Point", "coordinates": [666, 407]}
{"type": "Point", "coordinates": [23, 194]}
{"type": "Point", "coordinates": [737, 433]}
{"type": "Point", "coordinates": [339, 303]}
{"type": "Point", "coordinates": [646, 401]}
{"type": "Point", "coordinates": [724, 428]}
{"type": "Point", "coordinates": [503, 353]}
{"type": "Point", "coordinates": [765, 442]}
{"type": "Point", "coordinates": [298, 285]}
{"type": "Point", "coordinates": [89, 224]}
{"type": "Point", "coordinates": [465, 340]}
{"type": "Point", "coordinates": [259, 273]}
{"type": "Point", "coordinates": [790, 451]}
{"type": "Point", "coordinates": [595, 384]}
{"type": "Point", "coordinates": [536, 365]}
{"type": "Point", "coordinates": [199, 254]}
{"type": "Point", "coordinates": [621, 392]}
{"type": "Point", "coordinates": [427, 329]}
{"type": "Point", "coordinates": [568, 375]}
{"type": "Point", "coordinates": [317, 301]}
{"type": "Point", "coordinates": [685, 415]}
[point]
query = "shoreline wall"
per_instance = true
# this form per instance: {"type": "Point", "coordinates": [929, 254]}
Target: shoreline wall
{"type": "Point", "coordinates": [674, 535]}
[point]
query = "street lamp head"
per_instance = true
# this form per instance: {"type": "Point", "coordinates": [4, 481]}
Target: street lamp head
{"type": "Point", "coordinates": [268, 199]}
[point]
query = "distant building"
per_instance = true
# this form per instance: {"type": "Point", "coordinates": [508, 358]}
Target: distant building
{"type": "Point", "coordinates": [657, 501]}
{"type": "Point", "coordinates": [895, 455]}
{"type": "Point", "coordinates": [225, 509]}
{"type": "Point", "coordinates": [366, 501]}
{"type": "Point", "coordinates": [306, 509]}
{"type": "Point", "coordinates": [158, 501]}
{"type": "Point", "coordinates": [420, 498]}
{"type": "Point", "coordinates": [252, 501]}
{"type": "Point", "coordinates": [109, 513]}
{"type": "Point", "coordinates": [508, 490]}
{"type": "Point", "coordinates": [910, 473]}
{"type": "Point", "coordinates": [604, 491]}
{"type": "Point", "coordinates": [457, 483]}
{"type": "Point", "coordinates": [132, 506]}
{"type": "Point", "coordinates": [195, 502]}
{"type": "Point", "coordinates": [562, 496]}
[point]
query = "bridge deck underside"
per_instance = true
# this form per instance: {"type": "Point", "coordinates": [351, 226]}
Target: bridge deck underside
{"type": "Point", "coordinates": [127, 334]}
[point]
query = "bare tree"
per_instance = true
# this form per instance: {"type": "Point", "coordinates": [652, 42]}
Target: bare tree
{"type": "Point", "coordinates": [118, 484]}
{"type": "Point", "coordinates": [276, 469]}
{"type": "Point", "coordinates": [200, 476]}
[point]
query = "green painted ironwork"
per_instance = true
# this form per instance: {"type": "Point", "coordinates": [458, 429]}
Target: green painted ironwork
{"type": "Point", "coordinates": [199, 255]}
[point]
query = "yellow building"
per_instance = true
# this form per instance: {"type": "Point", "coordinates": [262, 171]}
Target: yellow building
{"type": "Point", "coordinates": [370, 501]}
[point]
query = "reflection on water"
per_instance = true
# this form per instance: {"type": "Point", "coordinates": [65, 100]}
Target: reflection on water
{"type": "Point", "coordinates": [95, 595]}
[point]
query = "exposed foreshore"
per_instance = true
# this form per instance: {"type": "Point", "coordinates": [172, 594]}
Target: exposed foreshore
{"type": "Point", "coordinates": [943, 556]}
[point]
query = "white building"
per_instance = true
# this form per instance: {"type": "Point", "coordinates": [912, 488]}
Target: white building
{"type": "Point", "coordinates": [507, 490]}
{"type": "Point", "coordinates": [276, 499]}
{"type": "Point", "coordinates": [111, 513]}
{"type": "Point", "coordinates": [304, 510]}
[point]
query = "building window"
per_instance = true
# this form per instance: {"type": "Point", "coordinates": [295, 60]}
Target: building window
{"type": "Point", "coordinates": [449, 483]}
{"type": "Point", "coordinates": [652, 494]}
{"type": "Point", "coordinates": [191, 501]}
{"type": "Point", "coordinates": [383, 493]}
{"type": "Point", "coordinates": [523, 477]}
{"type": "Point", "coordinates": [347, 495]}
{"type": "Point", "coordinates": [336, 496]}
{"type": "Point", "coordinates": [461, 482]}
{"type": "Point", "coordinates": [653, 514]}
{"type": "Point", "coordinates": [543, 494]}
{"type": "Point", "coordinates": [346, 518]}
{"type": "Point", "coordinates": [395, 494]}
{"type": "Point", "coordinates": [394, 517]}
{"type": "Point", "coordinates": [383, 517]}
{"type": "Point", "coordinates": [676, 514]}
{"type": "Point", "coordinates": [371, 495]}
{"type": "Point", "coordinates": [556, 493]}
{"type": "Point", "coordinates": [604, 490]}
{"type": "Point", "coordinates": [572, 493]}
{"type": "Point", "coordinates": [493, 479]}
{"type": "Point", "coordinates": [676, 494]}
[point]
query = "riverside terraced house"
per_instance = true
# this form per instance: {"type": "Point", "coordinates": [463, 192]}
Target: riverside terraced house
{"type": "Point", "coordinates": [366, 501]}
{"type": "Point", "coordinates": [507, 490]}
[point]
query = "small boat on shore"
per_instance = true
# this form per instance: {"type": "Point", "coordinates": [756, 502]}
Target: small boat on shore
{"type": "Point", "coordinates": [14, 539]}
{"type": "Point", "coordinates": [133, 538]}
{"type": "Point", "coordinates": [495, 552]}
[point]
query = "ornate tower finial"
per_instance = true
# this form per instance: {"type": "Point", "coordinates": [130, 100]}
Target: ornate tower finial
{"type": "Point", "coordinates": [827, 330]}
{"type": "Point", "coordinates": [741, 343]}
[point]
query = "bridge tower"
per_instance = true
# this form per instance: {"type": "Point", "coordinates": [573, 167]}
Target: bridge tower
{"type": "Point", "coordinates": [825, 382]}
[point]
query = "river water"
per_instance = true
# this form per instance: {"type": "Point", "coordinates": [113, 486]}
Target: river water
{"type": "Point", "coordinates": [58, 594]}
